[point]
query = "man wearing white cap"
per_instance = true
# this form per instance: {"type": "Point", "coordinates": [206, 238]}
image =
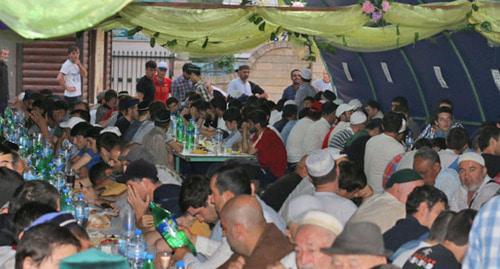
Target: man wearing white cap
{"type": "Point", "coordinates": [343, 113]}
{"type": "Point", "coordinates": [316, 230]}
{"type": "Point", "coordinates": [305, 88]}
{"type": "Point", "coordinates": [319, 129]}
{"type": "Point", "coordinates": [340, 139]}
{"type": "Point", "coordinates": [477, 187]}
{"type": "Point", "coordinates": [162, 83]}
{"type": "Point", "coordinates": [321, 169]}
{"type": "Point", "coordinates": [356, 104]}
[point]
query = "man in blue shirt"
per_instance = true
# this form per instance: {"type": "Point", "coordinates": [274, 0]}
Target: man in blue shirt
{"type": "Point", "coordinates": [289, 92]}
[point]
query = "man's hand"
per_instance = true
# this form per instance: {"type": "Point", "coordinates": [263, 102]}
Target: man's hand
{"type": "Point", "coordinates": [147, 223]}
{"type": "Point", "coordinates": [237, 264]}
{"type": "Point", "coordinates": [180, 253]}
{"type": "Point", "coordinates": [140, 206]}
{"type": "Point", "coordinates": [71, 89]}
{"type": "Point", "coordinates": [41, 122]}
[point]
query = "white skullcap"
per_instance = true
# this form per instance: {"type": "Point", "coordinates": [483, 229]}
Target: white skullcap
{"type": "Point", "coordinates": [355, 103]}
{"type": "Point", "coordinates": [471, 156]}
{"type": "Point", "coordinates": [290, 102]}
{"type": "Point", "coordinates": [323, 220]}
{"type": "Point", "coordinates": [343, 108]}
{"type": "Point", "coordinates": [358, 117]}
{"type": "Point", "coordinates": [300, 205]}
{"type": "Point", "coordinates": [111, 129]}
{"type": "Point", "coordinates": [319, 163]}
{"type": "Point", "coordinates": [71, 122]}
{"type": "Point", "coordinates": [306, 73]}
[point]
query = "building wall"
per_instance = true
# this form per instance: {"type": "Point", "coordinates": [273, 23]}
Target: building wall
{"type": "Point", "coordinates": [9, 40]}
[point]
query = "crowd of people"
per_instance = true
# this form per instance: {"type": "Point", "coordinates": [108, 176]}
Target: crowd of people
{"type": "Point", "coordinates": [334, 183]}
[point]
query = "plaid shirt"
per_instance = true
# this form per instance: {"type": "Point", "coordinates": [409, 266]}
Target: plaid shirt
{"type": "Point", "coordinates": [484, 238]}
{"type": "Point", "coordinates": [200, 89]}
{"type": "Point", "coordinates": [181, 86]}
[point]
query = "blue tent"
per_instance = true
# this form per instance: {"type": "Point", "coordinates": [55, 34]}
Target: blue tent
{"type": "Point", "coordinates": [459, 66]}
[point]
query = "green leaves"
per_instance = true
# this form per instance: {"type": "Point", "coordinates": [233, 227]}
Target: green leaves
{"type": "Point", "coordinates": [205, 43]}
{"type": "Point", "coordinates": [172, 43]}
{"type": "Point", "coordinates": [486, 26]}
{"type": "Point", "coordinates": [133, 31]}
{"type": "Point", "coordinates": [262, 27]}
{"type": "Point", "coordinates": [152, 42]}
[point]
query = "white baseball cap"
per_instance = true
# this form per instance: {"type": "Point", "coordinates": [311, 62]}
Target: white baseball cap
{"type": "Point", "coordinates": [358, 117]}
{"type": "Point", "coordinates": [71, 122]}
{"type": "Point", "coordinates": [319, 163]}
{"type": "Point", "coordinates": [111, 129]}
{"type": "Point", "coordinates": [162, 65]}
{"type": "Point", "coordinates": [355, 103]}
{"type": "Point", "coordinates": [343, 108]}
{"type": "Point", "coordinates": [471, 156]}
{"type": "Point", "coordinates": [323, 220]}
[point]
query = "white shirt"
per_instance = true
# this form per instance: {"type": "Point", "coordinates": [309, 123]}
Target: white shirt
{"type": "Point", "coordinates": [407, 160]}
{"type": "Point", "coordinates": [447, 157]}
{"type": "Point", "coordinates": [315, 135]}
{"type": "Point", "coordinates": [448, 182]}
{"type": "Point", "coordinates": [305, 186]}
{"type": "Point", "coordinates": [322, 86]}
{"type": "Point", "coordinates": [72, 78]}
{"type": "Point", "coordinates": [237, 87]}
{"type": "Point", "coordinates": [289, 261]}
{"type": "Point", "coordinates": [221, 124]}
{"type": "Point", "coordinates": [295, 143]}
{"type": "Point", "coordinates": [381, 209]}
{"type": "Point", "coordinates": [380, 150]}
{"type": "Point", "coordinates": [339, 207]}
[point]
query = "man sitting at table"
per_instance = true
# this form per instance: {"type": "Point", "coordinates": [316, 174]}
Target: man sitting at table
{"type": "Point", "coordinates": [144, 186]}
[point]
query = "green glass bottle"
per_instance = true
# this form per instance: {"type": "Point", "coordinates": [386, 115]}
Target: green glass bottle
{"type": "Point", "coordinates": [148, 263]}
{"type": "Point", "coordinates": [165, 224]}
{"type": "Point", "coordinates": [180, 129]}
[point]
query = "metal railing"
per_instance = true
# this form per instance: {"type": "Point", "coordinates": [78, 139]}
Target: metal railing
{"type": "Point", "coordinates": [129, 66]}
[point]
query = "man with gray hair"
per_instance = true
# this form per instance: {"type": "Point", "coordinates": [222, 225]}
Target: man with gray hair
{"type": "Point", "coordinates": [427, 163]}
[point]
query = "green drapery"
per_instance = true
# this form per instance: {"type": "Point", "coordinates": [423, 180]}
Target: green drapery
{"type": "Point", "coordinates": [53, 18]}
{"type": "Point", "coordinates": [206, 31]}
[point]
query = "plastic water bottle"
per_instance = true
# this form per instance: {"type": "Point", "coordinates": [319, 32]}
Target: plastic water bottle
{"type": "Point", "coordinates": [409, 141]}
{"type": "Point", "coordinates": [180, 265]}
{"type": "Point", "coordinates": [190, 136]}
{"type": "Point", "coordinates": [173, 125]}
{"type": "Point", "coordinates": [128, 227]}
{"type": "Point", "coordinates": [180, 129]}
{"type": "Point", "coordinates": [196, 134]}
{"type": "Point", "coordinates": [136, 248]}
{"type": "Point", "coordinates": [81, 210]}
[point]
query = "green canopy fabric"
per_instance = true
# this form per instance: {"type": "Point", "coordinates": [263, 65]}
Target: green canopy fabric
{"type": "Point", "coordinates": [205, 30]}
{"type": "Point", "coordinates": [94, 259]}
{"type": "Point", "coordinates": [53, 18]}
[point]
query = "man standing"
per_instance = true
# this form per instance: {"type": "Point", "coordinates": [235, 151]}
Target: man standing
{"type": "Point", "coordinates": [4, 79]}
{"type": "Point", "coordinates": [182, 84]}
{"type": "Point", "coordinates": [145, 88]}
{"type": "Point", "coordinates": [240, 87]}
{"type": "Point", "coordinates": [199, 85]}
{"type": "Point", "coordinates": [70, 76]}
{"type": "Point", "coordinates": [305, 89]}
{"type": "Point", "coordinates": [290, 91]}
{"type": "Point", "coordinates": [162, 83]}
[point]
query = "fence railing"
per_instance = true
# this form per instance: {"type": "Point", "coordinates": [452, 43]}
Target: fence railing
{"type": "Point", "coordinates": [129, 66]}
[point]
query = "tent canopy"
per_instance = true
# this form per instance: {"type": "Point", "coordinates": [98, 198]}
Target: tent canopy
{"type": "Point", "coordinates": [422, 53]}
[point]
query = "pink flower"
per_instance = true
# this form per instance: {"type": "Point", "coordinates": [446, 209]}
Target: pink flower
{"type": "Point", "coordinates": [376, 16]}
{"type": "Point", "coordinates": [368, 7]}
{"type": "Point", "coordinates": [385, 6]}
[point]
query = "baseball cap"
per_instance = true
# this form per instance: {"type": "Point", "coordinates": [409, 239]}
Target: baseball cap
{"type": "Point", "coordinates": [289, 102]}
{"type": "Point", "coordinates": [139, 169]}
{"type": "Point", "coordinates": [306, 73]}
{"type": "Point", "coordinates": [471, 156]}
{"type": "Point", "coordinates": [355, 103]}
{"type": "Point", "coordinates": [403, 176]}
{"type": "Point", "coordinates": [162, 116]}
{"type": "Point", "coordinates": [143, 106]}
{"type": "Point", "coordinates": [358, 117]}
{"type": "Point", "coordinates": [111, 129]}
{"type": "Point", "coordinates": [94, 258]}
{"type": "Point", "coordinates": [319, 163]}
{"type": "Point", "coordinates": [360, 238]}
{"type": "Point", "coordinates": [162, 65]}
{"type": "Point", "coordinates": [167, 196]}
{"type": "Point", "coordinates": [316, 106]}
{"type": "Point", "coordinates": [343, 108]}
{"type": "Point", "coordinates": [71, 122]}
{"type": "Point", "coordinates": [323, 220]}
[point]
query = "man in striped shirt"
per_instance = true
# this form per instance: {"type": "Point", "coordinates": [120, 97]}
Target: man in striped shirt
{"type": "Point", "coordinates": [357, 123]}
